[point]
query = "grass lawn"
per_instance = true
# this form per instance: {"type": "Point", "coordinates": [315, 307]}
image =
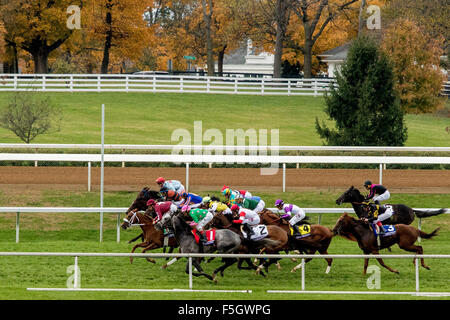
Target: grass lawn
{"type": "Point", "coordinates": [148, 118]}
{"type": "Point", "coordinates": [79, 233]}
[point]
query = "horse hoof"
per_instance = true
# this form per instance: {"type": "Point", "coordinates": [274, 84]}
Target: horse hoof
{"type": "Point", "coordinates": [164, 267]}
{"type": "Point", "coordinates": [328, 270]}
{"type": "Point", "coordinates": [293, 270]}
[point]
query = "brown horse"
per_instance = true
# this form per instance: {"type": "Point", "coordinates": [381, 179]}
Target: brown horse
{"type": "Point", "coordinates": [319, 238]}
{"type": "Point", "coordinates": [140, 204]}
{"type": "Point", "coordinates": [152, 238]}
{"type": "Point", "coordinates": [405, 237]}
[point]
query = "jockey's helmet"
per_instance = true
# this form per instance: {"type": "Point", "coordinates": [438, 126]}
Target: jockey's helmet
{"type": "Point", "coordinates": [206, 200]}
{"type": "Point", "coordinates": [367, 183]}
{"type": "Point", "coordinates": [151, 202]}
{"type": "Point", "coordinates": [279, 202]}
{"type": "Point", "coordinates": [160, 180]}
{"type": "Point", "coordinates": [234, 207]}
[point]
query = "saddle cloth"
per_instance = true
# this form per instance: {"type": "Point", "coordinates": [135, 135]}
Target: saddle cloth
{"type": "Point", "coordinates": [259, 232]}
{"type": "Point", "coordinates": [389, 230]}
{"type": "Point", "coordinates": [305, 231]}
{"type": "Point", "coordinates": [210, 236]}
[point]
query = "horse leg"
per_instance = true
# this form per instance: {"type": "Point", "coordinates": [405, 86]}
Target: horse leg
{"type": "Point", "coordinates": [139, 236]}
{"type": "Point", "coordinates": [417, 250]}
{"type": "Point", "coordinates": [381, 262]}
{"type": "Point", "coordinates": [150, 247]}
{"type": "Point", "coordinates": [140, 245]}
{"type": "Point", "coordinates": [227, 262]}
{"type": "Point", "coordinates": [196, 264]}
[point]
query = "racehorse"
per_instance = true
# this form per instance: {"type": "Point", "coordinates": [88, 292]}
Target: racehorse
{"type": "Point", "coordinates": [152, 238]}
{"type": "Point", "coordinates": [402, 214]}
{"type": "Point", "coordinates": [140, 204]}
{"type": "Point", "coordinates": [319, 238]}
{"type": "Point", "coordinates": [226, 241]}
{"type": "Point", "coordinates": [405, 236]}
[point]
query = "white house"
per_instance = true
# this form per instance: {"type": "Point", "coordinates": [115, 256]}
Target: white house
{"type": "Point", "coordinates": [246, 60]}
{"type": "Point", "coordinates": [335, 58]}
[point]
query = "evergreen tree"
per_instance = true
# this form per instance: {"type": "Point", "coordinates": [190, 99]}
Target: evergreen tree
{"type": "Point", "coordinates": [363, 103]}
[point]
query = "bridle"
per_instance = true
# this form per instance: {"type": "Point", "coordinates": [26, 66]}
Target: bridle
{"type": "Point", "coordinates": [131, 222]}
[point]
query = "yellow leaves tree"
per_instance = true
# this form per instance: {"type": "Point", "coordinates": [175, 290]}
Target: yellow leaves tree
{"type": "Point", "coordinates": [415, 57]}
{"type": "Point", "coordinates": [36, 26]}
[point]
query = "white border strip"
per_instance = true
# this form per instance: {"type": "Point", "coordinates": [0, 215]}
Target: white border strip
{"type": "Point", "coordinates": [431, 294]}
{"type": "Point", "coordinates": [137, 290]}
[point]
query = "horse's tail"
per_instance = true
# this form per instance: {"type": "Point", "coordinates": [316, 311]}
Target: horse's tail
{"type": "Point", "coordinates": [428, 235]}
{"type": "Point", "coordinates": [428, 213]}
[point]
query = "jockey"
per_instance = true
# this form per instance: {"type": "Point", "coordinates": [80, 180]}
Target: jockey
{"type": "Point", "coordinates": [292, 212]}
{"type": "Point", "coordinates": [378, 214]}
{"type": "Point", "coordinates": [173, 196]}
{"type": "Point", "coordinates": [231, 195]}
{"type": "Point", "coordinates": [174, 185]}
{"type": "Point", "coordinates": [247, 218]}
{"type": "Point", "coordinates": [215, 206]}
{"type": "Point", "coordinates": [191, 199]}
{"type": "Point", "coordinates": [161, 209]}
{"type": "Point", "coordinates": [252, 204]}
{"type": "Point", "coordinates": [200, 218]}
{"type": "Point", "coordinates": [383, 193]}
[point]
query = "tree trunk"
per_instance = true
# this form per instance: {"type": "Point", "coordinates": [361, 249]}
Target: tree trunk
{"type": "Point", "coordinates": [40, 59]}
{"type": "Point", "coordinates": [207, 17]}
{"type": "Point", "coordinates": [361, 17]}
{"type": "Point", "coordinates": [307, 63]}
{"type": "Point", "coordinates": [278, 53]}
{"type": "Point", "coordinates": [108, 39]}
{"type": "Point", "coordinates": [220, 60]}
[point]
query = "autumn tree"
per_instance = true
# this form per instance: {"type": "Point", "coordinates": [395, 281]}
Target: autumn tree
{"type": "Point", "coordinates": [315, 16]}
{"type": "Point", "coordinates": [36, 26]}
{"type": "Point", "coordinates": [415, 56]}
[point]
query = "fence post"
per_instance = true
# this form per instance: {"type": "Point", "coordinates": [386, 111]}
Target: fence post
{"type": "Point", "coordinates": [75, 274]}
{"type": "Point", "coordinates": [89, 176]}
{"type": "Point", "coordinates": [303, 274]}
{"type": "Point", "coordinates": [181, 83]}
{"type": "Point", "coordinates": [262, 86]}
{"type": "Point", "coordinates": [190, 272]}
{"type": "Point", "coordinates": [126, 83]}
{"type": "Point", "coordinates": [15, 82]}
{"type": "Point", "coordinates": [43, 83]}
{"type": "Point", "coordinates": [187, 177]}
{"type": "Point", "coordinates": [154, 83]}
{"type": "Point", "coordinates": [71, 83]}
{"type": "Point", "coordinates": [118, 227]}
{"type": "Point", "coordinates": [417, 275]}
{"type": "Point", "coordinates": [315, 88]}
{"type": "Point", "coordinates": [207, 84]}
{"type": "Point", "coordinates": [17, 226]}
{"type": "Point", "coordinates": [235, 85]}
{"type": "Point", "coordinates": [381, 174]}
{"type": "Point", "coordinates": [284, 177]}
{"type": "Point", "coordinates": [98, 84]}
{"type": "Point", "coordinates": [289, 87]}
{"type": "Point", "coordinates": [420, 228]}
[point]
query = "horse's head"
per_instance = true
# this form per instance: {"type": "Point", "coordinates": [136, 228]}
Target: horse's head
{"type": "Point", "coordinates": [351, 195]}
{"type": "Point", "coordinates": [140, 203]}
{"type": "Point", "coordinates": [130, 219]}
{"type": "Point", "coordinates": [220, 221]}
{"type": "Point", "coordinates": [343, 224]}
{"type": "Point", "coordinates": [166, 221]}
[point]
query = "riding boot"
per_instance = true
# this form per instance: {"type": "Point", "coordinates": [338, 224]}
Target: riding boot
{"type": "Point", "coordinates": [296, 230]}
{"type": "Point", "coordinates": [203, 237]}
{"type": "Point", "coordinates": [249, 231]}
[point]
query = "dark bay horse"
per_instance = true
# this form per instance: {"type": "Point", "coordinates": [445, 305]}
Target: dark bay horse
{"type": "Point", "coordinates": [402, 214]}
{"type": "Point", "coordinates": [226, 242]}
{"type": "Point", "coordinates": [140, 204]}
{"type": "Point", "coordinates": [405, 237]}
{"type": "Point", "coordinates": [318, 241]}
{"type": "Point", "coordinates": [220, 221]}
{"type": "Point", "coordinates": [152, 238]}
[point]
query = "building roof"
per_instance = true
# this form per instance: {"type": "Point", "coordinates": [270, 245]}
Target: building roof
{"type": "Point", "coordinates": [336, 54]}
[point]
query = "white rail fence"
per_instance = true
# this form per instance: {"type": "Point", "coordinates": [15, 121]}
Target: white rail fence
{"type": "Point", "coordinates": [162, 83]}
{"type": "Point", "coordinates": [273, 161]}
{"type": "Point", "coordinates": [167, 83]}
{"type": "Point", "coordinates": [190, 256]}
{"type": "Point", "coordinates": [122, 210]}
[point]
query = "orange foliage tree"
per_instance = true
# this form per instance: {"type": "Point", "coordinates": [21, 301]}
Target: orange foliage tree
{"type": "Point", "coordinates": [415, 57]}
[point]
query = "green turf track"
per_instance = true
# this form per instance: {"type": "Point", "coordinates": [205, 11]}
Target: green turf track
{"type": "Point", "coordinates": [79, 233]}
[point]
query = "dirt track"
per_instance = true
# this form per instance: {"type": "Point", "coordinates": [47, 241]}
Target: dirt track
{"type": "Point", "coordinates": [200, 179]}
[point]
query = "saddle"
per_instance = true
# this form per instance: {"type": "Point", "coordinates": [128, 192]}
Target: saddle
{"type": "Point", "coordinates": [210, 236]}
